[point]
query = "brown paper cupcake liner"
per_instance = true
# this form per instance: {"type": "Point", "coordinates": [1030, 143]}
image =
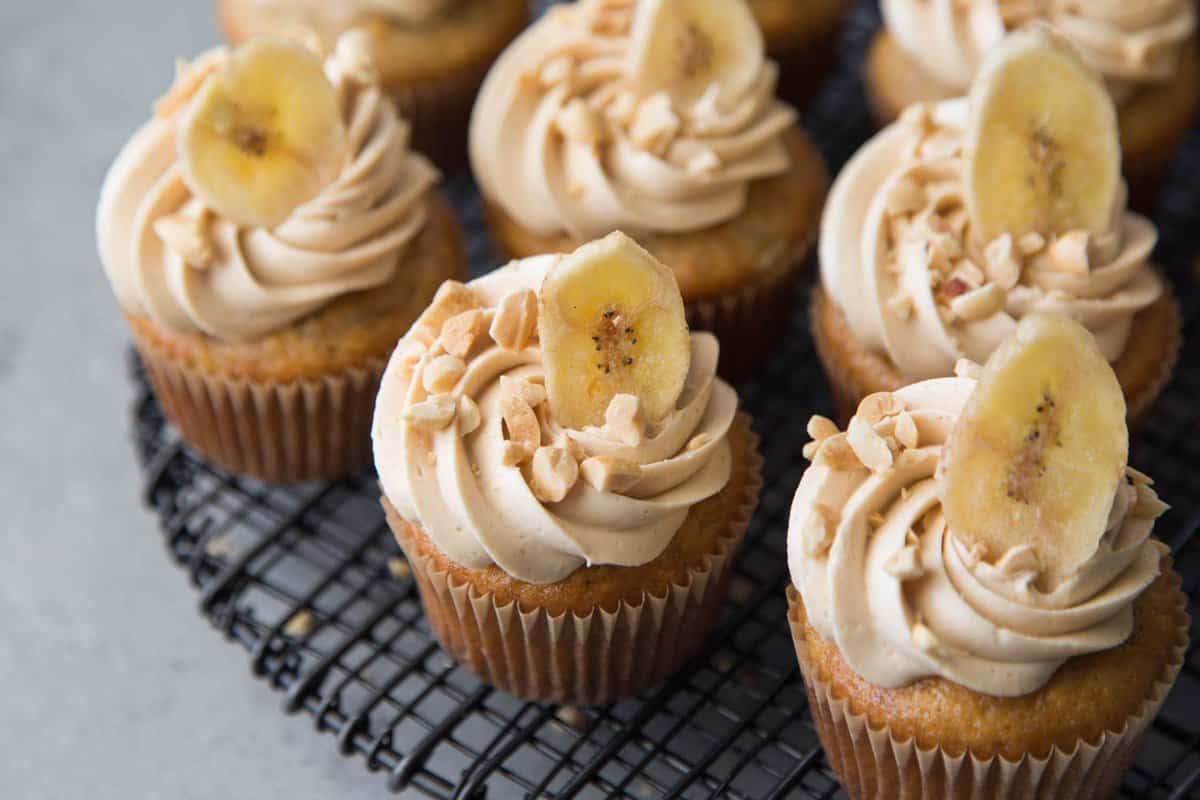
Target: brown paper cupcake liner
{"type": "Point", "coordinates": [276, 432]}
{"type": "Point", "coordinates": [876, 764]}
{"type": "Point", "coordinates": [439, 110]}
{"type": "Point", "coordinates": [854, 372]}
{"type": "Point", "coordinates": [751, 322]}
{"type": "Point", "coordinates": [575, 659]}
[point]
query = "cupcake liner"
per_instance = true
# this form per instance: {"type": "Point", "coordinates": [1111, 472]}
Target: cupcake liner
{"type": "Point", "coordinates": [439, 110]}
{"type": "Point", "coordinates": [751, 321]}
{"type": "Point", "coordinates": [588, 659]}
{"type": "Point", "coordinates": [877, 764]}
{"type": "Point", "coordinates": [276, 432]}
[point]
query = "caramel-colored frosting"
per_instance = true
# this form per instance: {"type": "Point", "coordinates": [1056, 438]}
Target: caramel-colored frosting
{"type": "Point", "coordinates": [1129, 43]}
{"type": "Point", "coordinates": [562, 141]}
{"type": "Point", "coordinates": [237, 283]}
{"type": "Point", "coordinates": [898, 257]}
{"type": "Point", "coordinates": [455, 480]}
{"type": "Point", "coordinates": [883, 576]}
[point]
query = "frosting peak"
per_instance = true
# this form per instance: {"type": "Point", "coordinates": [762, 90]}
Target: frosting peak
{"type": "Point", "coordinates": [883, 576]}
{"type": "Point", "coordinates": [899, 258]}
{"type": "Point", "coordinates": [452, 449]}
{"type": "Point", "coordinates": [561, 139]}
{"type": "Point", "coordinates": [172, 259]}
{"type": "Point", "coordinates": [1130, 43]}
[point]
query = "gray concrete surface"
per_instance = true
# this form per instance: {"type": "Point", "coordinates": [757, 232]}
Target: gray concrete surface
{"type": "Point", "coordinates": [111, 685]}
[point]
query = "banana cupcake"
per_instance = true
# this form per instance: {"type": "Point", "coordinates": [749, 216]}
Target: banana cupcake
{"type": "Point", "coordinates": [565, 472]}
{"type": "Point", "coordinates": [429, 55]}
{"type": "Point", "coordinates": [1146, 52]}
{"type": "Point", "coordinates": [966, 215]}
{"type": "Point", "coordinates": [802, 39]}
{"type": "Point", "coordinates": [270, 235]}
{"type": "Point", "coordinates": [658, 118]}
{"type": "Point", "coordinates": [978, 605]}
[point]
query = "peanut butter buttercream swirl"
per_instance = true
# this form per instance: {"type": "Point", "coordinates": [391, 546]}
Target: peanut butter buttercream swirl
{"type": "Point", "coordinates": [192, 271]}
{"type": "Point", "coordinates": [883, 577]}
{"type": "Point", "coordinates": [898, 257]}
{"type": "Point", "coordinates": [563, 142]}
{"type": "Point", "coordinates": [1129, 43]}
{"type": "Point", "coordinates": [464, 394]}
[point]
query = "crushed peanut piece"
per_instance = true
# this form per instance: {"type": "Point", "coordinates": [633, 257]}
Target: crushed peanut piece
{"type": "Point", "coordinates": [299, 624]}
{"type": "Point", "coordinates": [1069, 253]}
{"type": "Point", "coordinates": [398, 568]}
{"type": "Point", "coordinates": [187, 237]}
{"type": "Point", "coordinates": [820, 428]}
{"type": "Point", "coordinates": [871, 448]}
{"type": "Point", "coordinates": [452, 298]}
{"type": "Point", "coordinates": [837, 454]}
{"type": "Point", "coordinates": [523, 427]}
{"type": "Point", "coordinates": [433, 413]}
{"type": "Point", "coordinates": [577, 123]}
{"type": "Point", "coordinates": [442, 373]}
{"type": "Point", "coordinates": [609, 474]}
{"type": "Point", "coordinates": [623, 420]}
{"type": "Point", "coordinates": [1002, 265]}
{"type": "Point", "coordinates": [532, 393]}
{"type": "Point", "coordinates": [469, 417]}
{"type": "Point", "coordinates": [875, 407]}
{"type": "Point", "coordinates": [219, 547]}
{"type": "Point", "coordinates": [655, 124]}
{"type": "Point", "coordinates": [553, 473]}
{"type": "Point", "coordinates": [461, 331]}
{"type": "Point", "coordinates": [1031, 244]}
{"type": "Point", "coordinates": [515, 322]}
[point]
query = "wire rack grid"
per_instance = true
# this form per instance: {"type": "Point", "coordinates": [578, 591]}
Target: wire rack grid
{"type": "Point", "coordinates": [308, 580]}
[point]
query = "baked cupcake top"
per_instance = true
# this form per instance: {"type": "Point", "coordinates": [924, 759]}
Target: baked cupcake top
{"type": "Point", "coordinates": [542, 419]}
{"type": "Point", "coordinates": [616, 114]}
{"type": "Point", "coordinates": [928, 244]}
{"type": "Point", "coordinates": [1131, 44]}
{"type": "Point", "coordinates": [212, 221]}
{"type": "Point", "coordinates": [883, 553]}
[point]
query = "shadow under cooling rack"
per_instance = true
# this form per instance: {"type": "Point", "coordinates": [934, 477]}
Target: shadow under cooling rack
{"type": "Point", "coordinates": [309, 581]}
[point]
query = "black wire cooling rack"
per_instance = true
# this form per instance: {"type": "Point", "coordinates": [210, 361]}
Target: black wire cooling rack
{"type": "Point", "coordinates": [308, 580]}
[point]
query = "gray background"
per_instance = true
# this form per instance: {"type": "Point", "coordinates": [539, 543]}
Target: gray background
{"type": "Point", "coordinates": [111, 685]}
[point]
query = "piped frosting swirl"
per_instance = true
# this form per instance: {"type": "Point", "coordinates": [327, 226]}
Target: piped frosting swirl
{"type": "Point", "coordinates": [560, 139]}
{"type": "Point", "coordinates": [445, 458]}
{"type": "Point", "coordinates": [1129, 43]}
{"type": "Point", "coordinates": [883, 577]}
{"type": "Point", "coordinates": [236, 283]}
{"type": "Point", "coordinates": [899, 260]}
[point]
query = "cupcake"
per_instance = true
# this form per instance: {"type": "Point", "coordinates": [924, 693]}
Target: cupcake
{"type": "Point", "coordinates": [269, 236]}
{"type": "Point", "coordinates": [963, 217]}
{"type": "Point", "coordinates": [598, 119]}
{"type": "Point", "coordinates": [429, 55]}
{"type": "Point", "coordinates": [979, 607]}
{"type": "Point", "coordinates": [565, 473]}
{"type": "Point", "coordinates": [802, 39]}
{"type": "Point", "coordinates": [1146, 51]}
